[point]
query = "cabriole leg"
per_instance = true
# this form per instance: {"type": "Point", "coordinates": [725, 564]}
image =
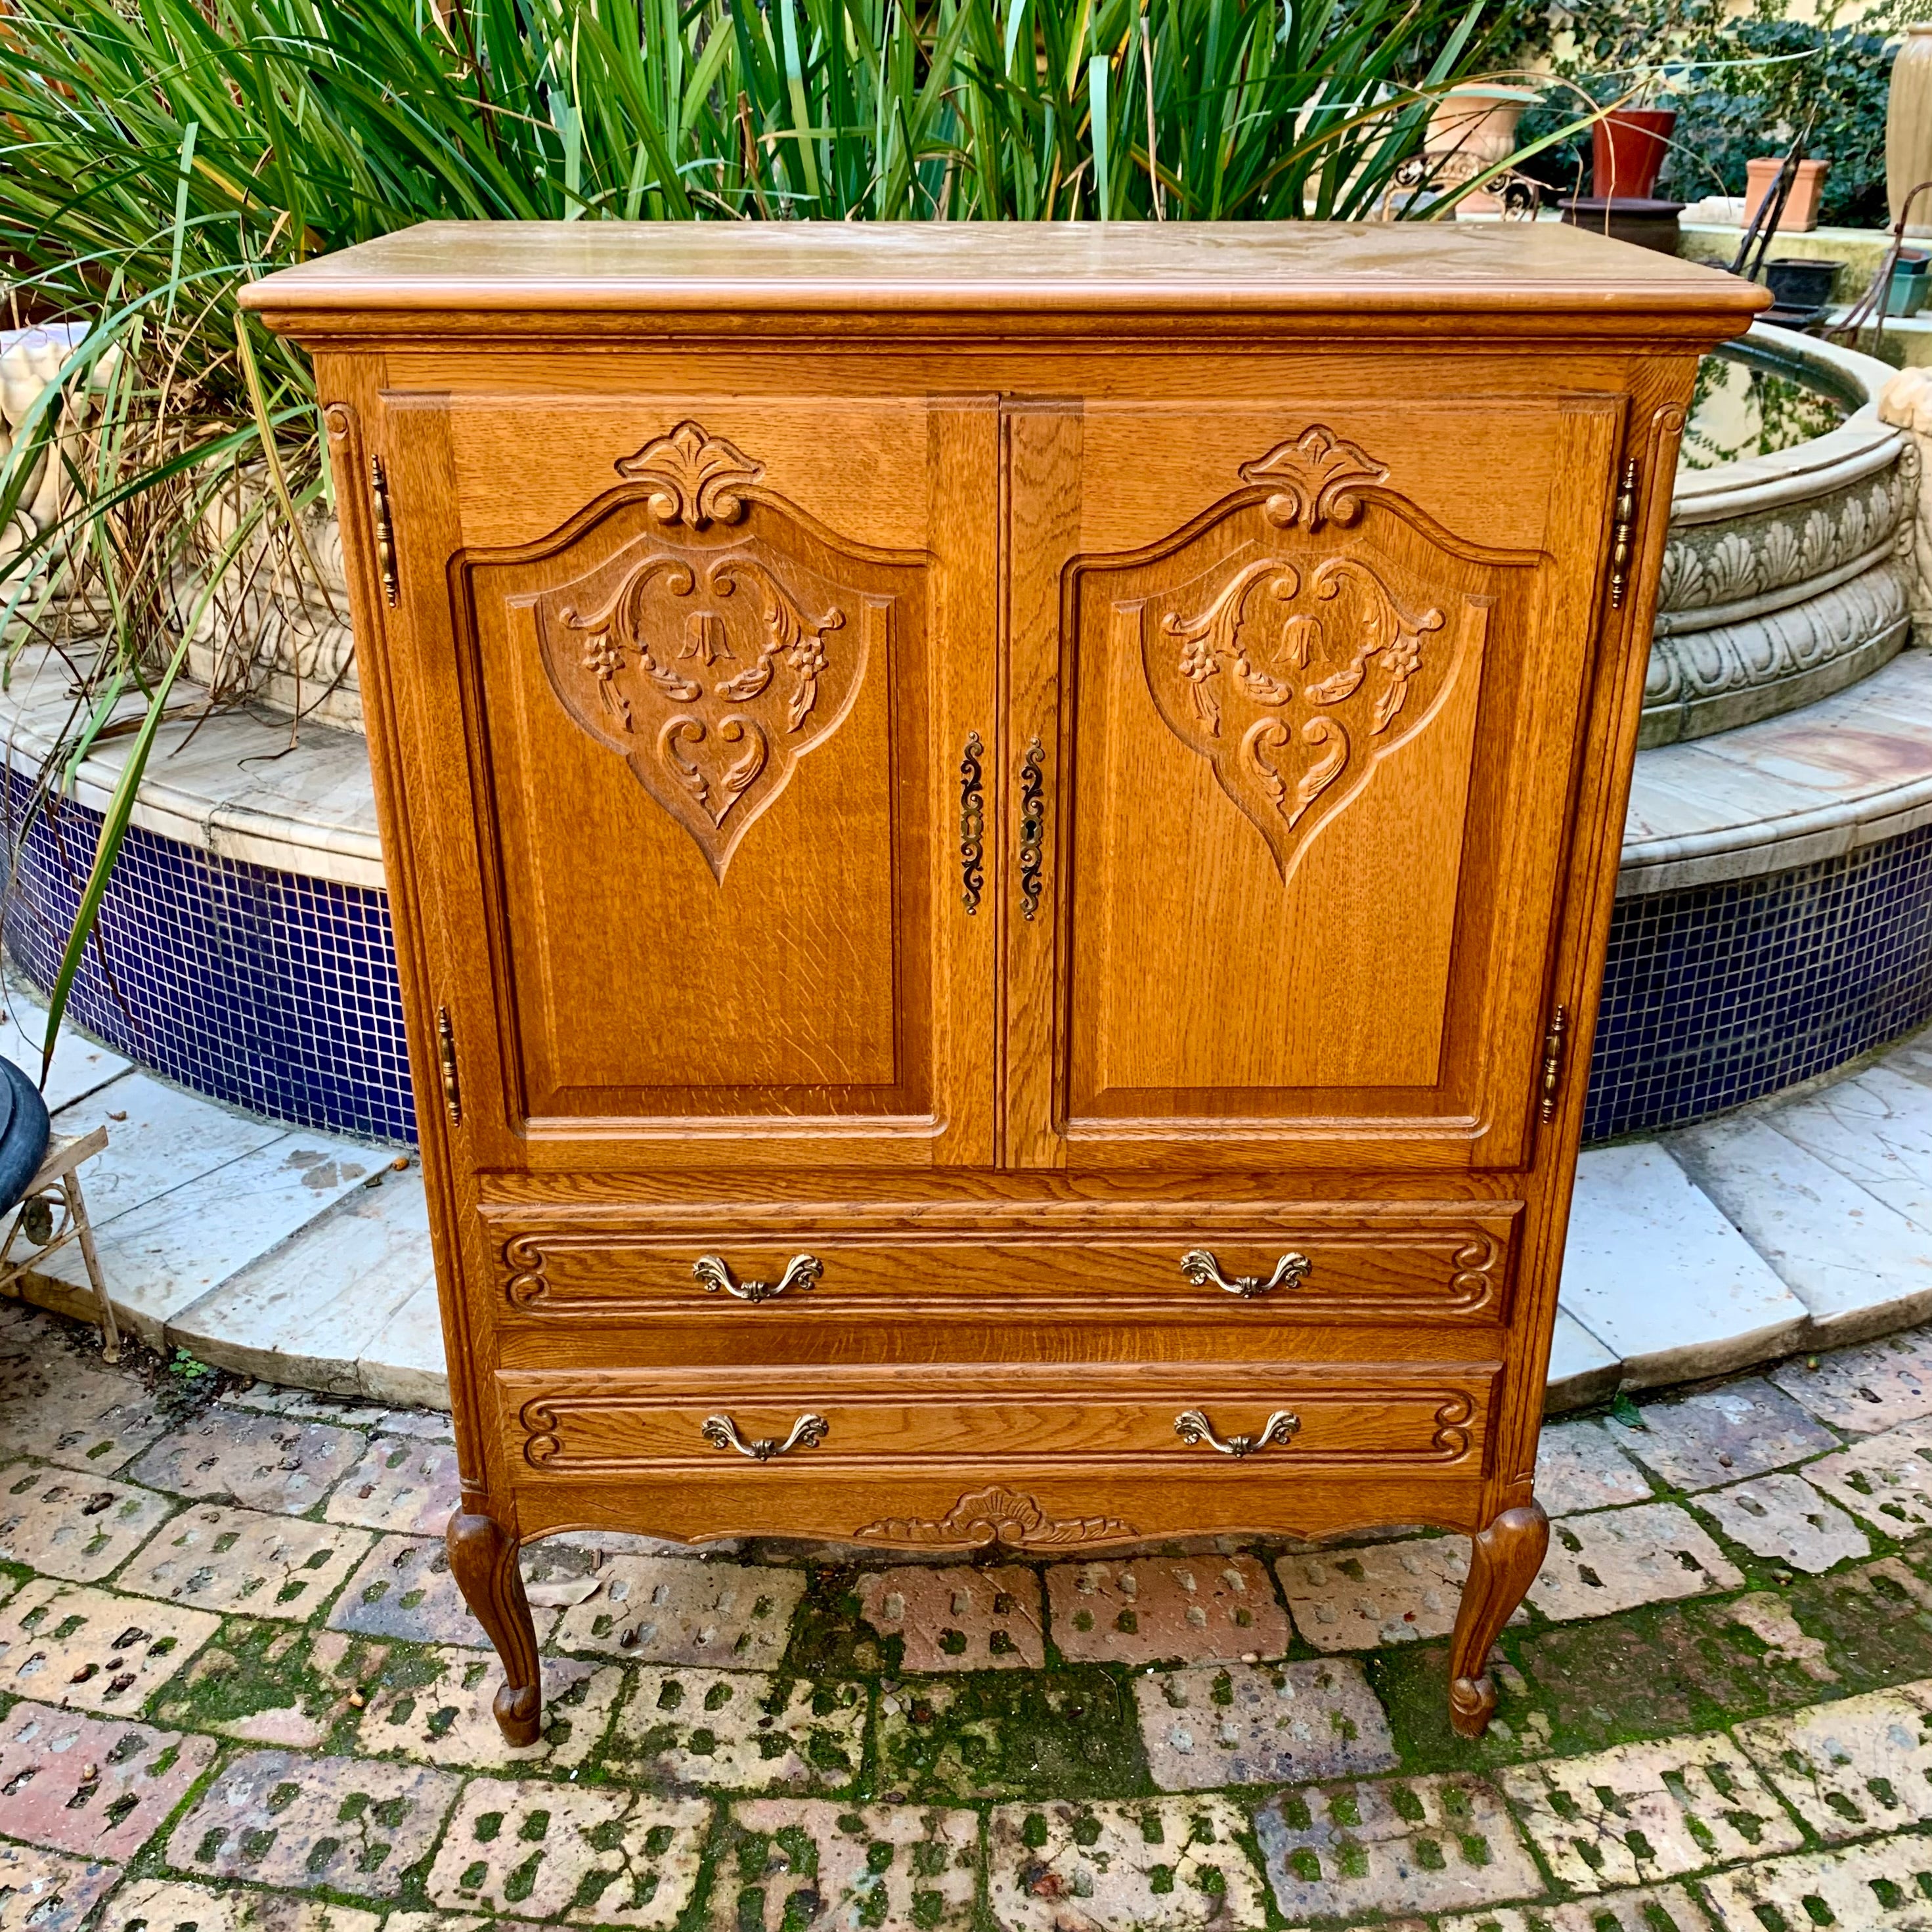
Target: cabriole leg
{"type": "Point", "coordinates": [483, 1556]}
{"type": "Point", "coordinates": [1504, 1560]}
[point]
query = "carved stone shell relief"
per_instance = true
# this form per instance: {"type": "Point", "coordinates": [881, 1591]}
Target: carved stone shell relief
{"type": "Point", "coordinates": [710, 665]}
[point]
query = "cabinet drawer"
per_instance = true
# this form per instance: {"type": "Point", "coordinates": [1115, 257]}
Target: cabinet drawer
{"type": "Point", "coordinates": [1451, 1264]}
{"type": "Point", "coordinates": [802, 1422]}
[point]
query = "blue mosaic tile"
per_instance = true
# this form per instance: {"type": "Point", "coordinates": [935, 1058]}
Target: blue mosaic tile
{"type": "Point", "coordinates": [278, 993]}
{"type": "Point", "coordinates": [266, 989]}
{"type": "Point", "coordinates": [1722, 993]}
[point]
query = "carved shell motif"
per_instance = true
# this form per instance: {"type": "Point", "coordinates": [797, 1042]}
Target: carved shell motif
{"type": "Point", "coordinates": [997, 1515]}
{"type": "Point", "coordinates": [711, 670]}
{"type": "Point", "coordinates": [1291, 672]}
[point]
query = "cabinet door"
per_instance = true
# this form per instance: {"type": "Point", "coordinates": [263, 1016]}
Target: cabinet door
{"type": "Point", "coordinates": [1296, 701]}
{"type": "Point", "coordinates": [691, 678]}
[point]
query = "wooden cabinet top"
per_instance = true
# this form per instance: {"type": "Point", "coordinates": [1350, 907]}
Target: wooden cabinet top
{"type": "Point", "coordinates": [596, 277]}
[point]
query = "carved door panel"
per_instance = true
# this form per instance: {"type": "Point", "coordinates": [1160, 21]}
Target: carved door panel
{"type": "Point", "coordinates": [698, 794]}
{"type": "Point", "coordinates": [1307, 685]}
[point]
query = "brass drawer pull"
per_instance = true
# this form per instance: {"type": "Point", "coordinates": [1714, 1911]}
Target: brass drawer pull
{"type": "Point", "coordinates": [807, 1432]}
{"type": "Point", "coordinates": [1200, 1268]}
{"type": "Point", "coordinates": [801, 1271]}
{"type": "Point", "coordinates": [1192, 1426]}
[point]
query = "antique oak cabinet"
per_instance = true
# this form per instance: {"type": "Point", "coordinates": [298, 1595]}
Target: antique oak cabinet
{"type": "Point", "coordinates": [1001, 840]}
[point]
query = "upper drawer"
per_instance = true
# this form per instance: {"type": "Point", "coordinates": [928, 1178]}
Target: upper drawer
{"type": "Point", "coordinates": [1356, 1261]}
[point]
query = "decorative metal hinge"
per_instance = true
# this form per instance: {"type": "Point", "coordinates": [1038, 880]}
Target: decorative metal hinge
{"type": "Point", "coordinates": [972, 825]}
{"type": "Point", "coordinates": [445, 1061]}
{"type": "Point", "coordinates": [386, 531]}
{"type": "Point", "coordinates": [1552, 1062]}
{"type": "Point", "coordinates": [1623, 535]}
{"type": "Point", "coordinates": [1033, 826]}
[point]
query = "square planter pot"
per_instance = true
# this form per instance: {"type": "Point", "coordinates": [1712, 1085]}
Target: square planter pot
{"type": "Point", "coordinates": [1801, 206]}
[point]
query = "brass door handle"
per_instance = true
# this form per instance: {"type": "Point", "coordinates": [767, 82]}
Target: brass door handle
{"type": "Point", "coordinates": [801, 1271]}
{"type": "Point", "coordinates": [1200, 1268]}
{"type": "Point", "coordinates": [807, 1432]}
{"type": "Point", "coordinates": [1192, 1426]}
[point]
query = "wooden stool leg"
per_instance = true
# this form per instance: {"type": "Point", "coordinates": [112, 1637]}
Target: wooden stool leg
{"type": "Point", "coordinates": [83, 1228]}
{"type": "Point", "coordinates": [1504, 1560]}
{"type": "Point", "coordinates": [483, 1557]}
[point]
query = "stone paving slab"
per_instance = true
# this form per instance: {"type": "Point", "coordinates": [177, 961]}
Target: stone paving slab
{"type": "Point", "coordinates": [1419, 1844]}
{"type": "Point", "coordinates": [238, 1559]}
{"type": "Point", "coordinates": [1641, 1813]}
{"type": "Point", "coordinates": [661, 1609]}
{"type": "Point", "coordinates": [1784, 1518]}
{"type": "Point", "coordinates": [49, 1892]}
{"type": "Point", "coordinates": [74, 1645]}
{"type": "Point", "coordinates": [1159, 1607]}
{"type": "Point", "coordinates": [353, 1824]}
{"type": "Point", "coordinates": [1886, 1884]}
{"type": "Point", "coordinates": [1616, 1559]}
{"type": "Point", "coordinates": [402, 1484]}
{"type": "Point", "coordinates": [1886, 1480]}
{"type": "Point", "coordinates": [958, 1618]}
{"type": "Point", "coordinates": [171, 1905]}
{"type": "Point", "coordinates": [434, 1705]}
{"type": "Point", "coordinates": [1662, 1908]}
{"type": "Point", "coordinates": [1863, 1390]}
{"type": "Point", "coordinates": [62, 1524]}
{"type": "Point", "coordinates": [89, 1786]}
{"type": "Point", "coordinates": [550, 1851]}
{"type": "Point", "coordinates": [1170, 1864]}
{"type": "Point", "coordinates": [1702, 1441]}
{"type": "Point", "coordinates": [262, 1461]}
{"type": "Point", "coordinates": [1851, 1769]}
{"type": "Point", "coordinates": [1215, 1725]}
{"type": "Point", "coordinates": [1578, 1467]}
{"type": "Point", "coordinates": [1386, 1593]}
{"type": "Point", "coordinates": [57, 1408]}
{"type": "Point", "coordinates": [785, 1864]}
{"type": "Point", "coordinates": [404, 1589]}
{"type": "Point", "coordinates": [741, 1730]}
{"type": "Point", "coordinates": [273, 1684]}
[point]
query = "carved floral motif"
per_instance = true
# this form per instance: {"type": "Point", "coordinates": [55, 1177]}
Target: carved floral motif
{"type": "Point", "coordinates": [997, 1515]}
{"type": "Point", "coordinates": [1317, 477]}
{"type": "Point", "coordinates": [696, 478]}
{"type": "Point", "coordinates": [710, 670]}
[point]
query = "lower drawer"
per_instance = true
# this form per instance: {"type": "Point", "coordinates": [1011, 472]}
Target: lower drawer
{"type": "Point", "coordinates": [1398, 1418]}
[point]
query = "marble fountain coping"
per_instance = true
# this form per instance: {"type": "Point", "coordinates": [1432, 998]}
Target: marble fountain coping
{"type": "Point", "coordinates": [1802, 1221]}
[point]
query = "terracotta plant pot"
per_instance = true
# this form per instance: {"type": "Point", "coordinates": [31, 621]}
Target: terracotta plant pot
{"type": "Point", "coordinates": [1472, 128]}
{"type": "Point", "coordinates": [1801, 206]}
{"type": "Point", "coordinates": [1627, 147]}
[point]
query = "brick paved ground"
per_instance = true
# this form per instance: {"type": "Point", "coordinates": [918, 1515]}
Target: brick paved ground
{"type": "Point", "coordinates": [239, 1692]}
